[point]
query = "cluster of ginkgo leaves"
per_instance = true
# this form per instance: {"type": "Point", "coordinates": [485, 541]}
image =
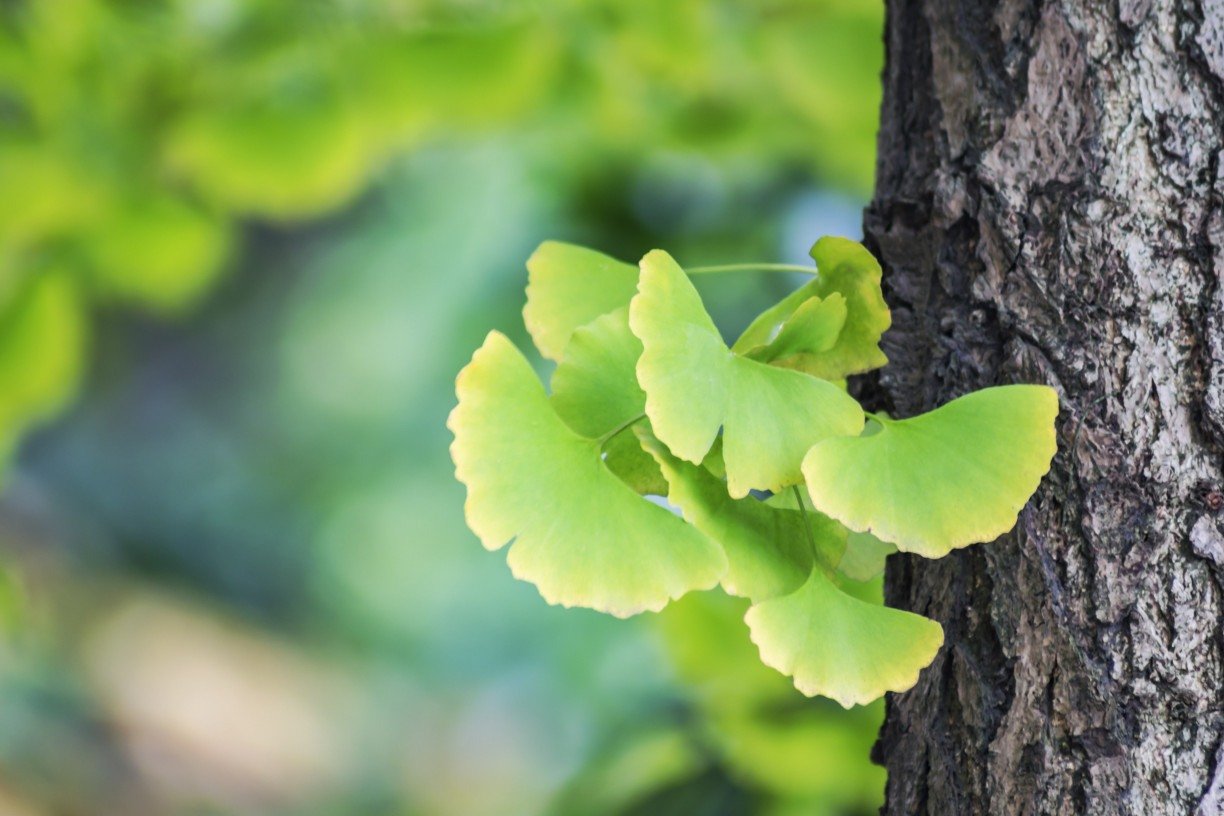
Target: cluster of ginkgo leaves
{"type": "Point", "coordinates": [791, 495]}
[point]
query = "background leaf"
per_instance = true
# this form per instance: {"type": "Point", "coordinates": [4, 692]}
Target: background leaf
{"type": "Point", "coordinates": [42, 337]}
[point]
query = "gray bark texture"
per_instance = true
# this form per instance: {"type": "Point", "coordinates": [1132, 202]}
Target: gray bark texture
{"type": "Point", "coordinates": [1050, 208]}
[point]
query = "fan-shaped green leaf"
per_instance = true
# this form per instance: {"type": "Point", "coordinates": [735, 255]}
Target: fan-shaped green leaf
{"type": "Point", "coordinates": [581, 535]}
{"type": "Point", "coordinates": [624, 456]}
{"type": "Point", "coordinates": [815, 752]}
{"type": "Point", "coordinates": [831, 642]}
{"type": "Point", "coordinates": [768, 550]}
{"type": "Point", "coordinates": [951, 477]}
{"type": "Point", "coordinates": [595, 388]}
{"type": "Point", "coordinates": [569, 286]}
{"type": "Point", "coordinates": [864, 556]}
{"type": "Point", "coordinates": [846, 268]}
{"type": "Point", "coordinates": [838, 646]}
{"type": "Point", "coordinates": [694, 385]}
{"type": "Point", "coordinates": [812, 328]}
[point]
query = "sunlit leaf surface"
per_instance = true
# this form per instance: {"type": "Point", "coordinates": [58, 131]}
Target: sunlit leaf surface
{"type": "Point", "coordinates": [838, 646]}
{"type": "Point", "coordinates": [948, 478]}
{"type": "Point", "coordinates": [695, 385]}
{"type": "Point", "coordinates": [569, 286]}
{"type": "Point", "coordinates": [844, 269]}
{"type": "Point", "coordinates": [595, 388]}
{"type": "Point", "coordinates": [582, 536]}
{"type": "Point", "coordinates": [832, 643]}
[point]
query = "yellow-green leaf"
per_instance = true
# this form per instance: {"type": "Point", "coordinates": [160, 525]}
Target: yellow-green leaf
{"type": "Point", "coordinates": [948, 478]}
{"type": "Point", "coordinates": [695, 385]}
{"type": "Point", "coordinates": [581, 535]}
{"type": "Point", "coordinates": [624, 456]}
{"type": "Point", "coordinates": [864, 556]}
{"type": "Point", "coordinates": [845, 268]}
{"type": "Point", "coordinates": [830, 641]}
{"type": "Point", "coordinates": [812, 328]}
{"type": "Point", "coordinates": [595, 388]}
{"type": "Point", "coordinates": [569, 286]}
{"type": "Point", "coordinates": [838, 646]}
{"type": "Point", "coordinates": [768, 549]}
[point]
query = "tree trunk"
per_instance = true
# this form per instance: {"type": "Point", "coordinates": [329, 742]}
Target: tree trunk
{"type": "Point", "coordinates": [1049, 209]}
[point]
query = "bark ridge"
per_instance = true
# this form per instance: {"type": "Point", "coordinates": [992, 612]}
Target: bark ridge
{"type": "Point", "coordinates": [1050, 208]}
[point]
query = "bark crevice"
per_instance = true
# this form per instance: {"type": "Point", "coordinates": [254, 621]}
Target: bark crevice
{"type": "Point", "coordinates": [1048, 209]}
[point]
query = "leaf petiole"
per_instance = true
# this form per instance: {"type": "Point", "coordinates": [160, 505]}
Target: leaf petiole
{"type": "Point", "coordinates": [751, 267]}
{"type": "Point", "coordinates": [807, 522]}
{"type": "Point", "coordinates": [603, 439]}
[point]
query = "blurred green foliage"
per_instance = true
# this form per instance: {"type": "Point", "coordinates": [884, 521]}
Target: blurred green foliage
{"type": "Point", "coordinates": [134, 136]}
{"type": "Point", "coordinates": [268, 483]}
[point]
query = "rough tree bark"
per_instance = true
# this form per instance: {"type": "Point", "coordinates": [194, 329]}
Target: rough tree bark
{"type": "Point", "coordinates": [1049, 209]}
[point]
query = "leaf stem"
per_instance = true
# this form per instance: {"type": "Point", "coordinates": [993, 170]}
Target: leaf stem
{"type": "Point", "coordinates": [807, 522]}
{"type": "Point", "coordinates": [751, 267]}
{"type": "Point", "coordinates": [603, 439]}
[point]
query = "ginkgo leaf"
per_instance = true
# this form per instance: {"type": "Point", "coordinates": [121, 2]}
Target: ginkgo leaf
{"type": "Point", "coordinates": [830, 641]}
{"type": "Point", "coordinates": [595, 391]}
{"type": "Point", "coordinates": [945, 479]}
{"type": "Point", "coordinates": [695, 385]}
{"type": "Point", "coordinates": [595, 388]}
{"type": "Point", "coordinates": [864, 556]}
{"type": "Point", "coordinates": [841, 647]}
{"type": "Point", "coordinates": [624, 456]}
{"type": "Point", "coordinates": [569, 286]}
{"type": "Point", "coordinates": [582, 536]}
{"type": "Point", "coordinates": [813, 753]}
{"type": "Point", "coordinates": [769, 550]}
{"type": "Point", "coordinates": [812, 328]}
{"type": "Point", "coordinates": [713, 460]}
{"type": "Point", "coordinates": [846, 268]}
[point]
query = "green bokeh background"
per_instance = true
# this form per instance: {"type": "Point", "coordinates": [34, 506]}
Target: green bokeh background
{"type": "Point", "coordinates": [245, 245]}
